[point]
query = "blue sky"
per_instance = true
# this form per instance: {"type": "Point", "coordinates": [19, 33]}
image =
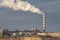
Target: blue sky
{"type": "Point", "coordinates": [21, 20]}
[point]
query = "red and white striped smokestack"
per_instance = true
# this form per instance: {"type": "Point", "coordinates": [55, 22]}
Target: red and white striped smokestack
{"type": "Point", "coordinates": [44, 22]}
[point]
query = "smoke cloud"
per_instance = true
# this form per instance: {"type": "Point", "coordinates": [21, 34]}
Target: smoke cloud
{"type": "Point", "coordinates": [20, 5]}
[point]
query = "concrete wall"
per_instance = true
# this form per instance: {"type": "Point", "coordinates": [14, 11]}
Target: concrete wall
{"type": "Point", "coordinates": [54, 34]}
{"type": "Point", "coordinates": [57, 34]}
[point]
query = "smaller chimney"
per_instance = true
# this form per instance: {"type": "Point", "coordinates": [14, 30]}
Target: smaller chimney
{"type": "Point", "coordinates": [44, 22]}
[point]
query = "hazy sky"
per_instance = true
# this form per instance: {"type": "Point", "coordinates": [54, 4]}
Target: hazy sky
{"type": "Point", "coordinates": [21, 20]}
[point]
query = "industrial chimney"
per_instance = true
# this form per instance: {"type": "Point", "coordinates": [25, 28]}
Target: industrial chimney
{"type": "Point", "coordinates": [44, 22]}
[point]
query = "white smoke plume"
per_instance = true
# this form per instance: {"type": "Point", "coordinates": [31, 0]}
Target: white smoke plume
{"type": "Point", "coordinates": [20, 5]}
